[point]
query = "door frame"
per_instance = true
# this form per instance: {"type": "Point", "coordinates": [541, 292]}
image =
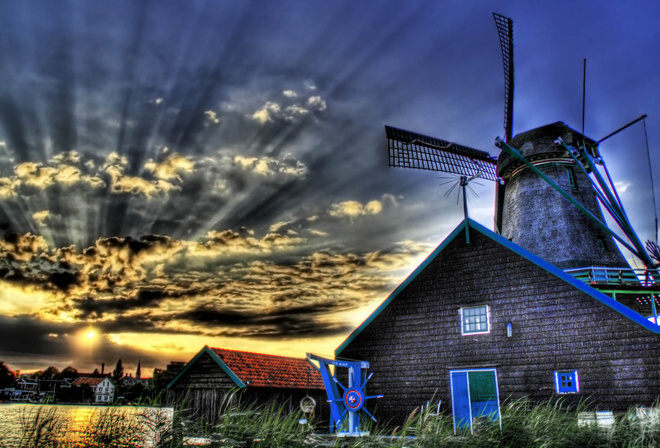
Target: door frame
{"type": "Point", "coordinates": [453, 401]}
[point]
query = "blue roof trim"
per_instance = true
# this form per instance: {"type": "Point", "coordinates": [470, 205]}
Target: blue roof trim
{"type": "Point", "coordinates": [604, 299]}
{"type": "Point", "coordinates": [215, 358]}
{"type": "Point", "coordinates": [400, 288]}
{"type": "Point", "coordinates": [594, 293]}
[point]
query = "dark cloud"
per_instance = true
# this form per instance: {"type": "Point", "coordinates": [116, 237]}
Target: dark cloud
{"type": "Point", "coordinates": [283, 322]}
{"type": "Point", "coordinates": [91, 307]}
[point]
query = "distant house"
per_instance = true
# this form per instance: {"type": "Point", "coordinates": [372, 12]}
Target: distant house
{"type": "Point", "coordinates": [482, 319]}
{"type": "Point", "coordinates": [213, 373]}
{"type": "Point", "coordinates": [129, 380]}
{"type": "Point", "coordinates": [25, 389]}
{"type": "Point", "coordinates": [103, 388]}
{"type": "Point", "coordinates": [25, 384]}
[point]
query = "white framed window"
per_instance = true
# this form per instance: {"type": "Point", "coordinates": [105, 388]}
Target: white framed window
{"type": "Point", "coordinates": [475, 320]}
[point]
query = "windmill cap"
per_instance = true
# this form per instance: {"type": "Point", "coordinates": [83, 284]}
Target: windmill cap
{"type": "Point", "coordinates": [539, 143]}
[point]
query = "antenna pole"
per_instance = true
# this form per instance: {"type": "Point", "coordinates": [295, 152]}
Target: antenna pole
{"type": "Point", "coordinates": [464, 182]}
{"type": "Point", "coordinates": [584, 90]}
{"type": "Point", "coordinates": [620, 129]}
{"type": "Point", "coordinates": [648, 155]}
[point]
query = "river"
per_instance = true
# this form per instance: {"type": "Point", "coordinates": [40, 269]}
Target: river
{"type": "Point", "coordinates": [79, 426]}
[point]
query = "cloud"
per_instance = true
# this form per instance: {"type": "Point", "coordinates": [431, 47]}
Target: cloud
{"type": "Point", "coordinates": [317, 103]}
{"type": "Point", "coordinates": [278, 225]}
{"type": "Point", "coordinates": [267, 113]}
{"type": "Point", "coordinates": [158, 284]}
{"type": "Point", "coordinates": [354, 209]}
{"type": "Point", "coordinates": [622, 187]}
{"type": "Point", "coordinates": [287, 322]}
{"type": "Point", "coordinates": [30, 178]}
{"type": "Point", "coordinates": [211, 117]}
{"type": "Point", "coordinates": [293, 112]}
{"type": "Point", "coordinates": [267, 166]}
{"type": "Point", "coordinates": [171, 168]}
{"type": "Point", "coordinates": [41, 216]}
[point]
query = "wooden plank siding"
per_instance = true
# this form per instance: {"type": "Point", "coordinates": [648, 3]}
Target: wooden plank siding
{"type": "Point", "coordinates": [415, 340]}
{"type": "Point", "coordinates": [204, 387]}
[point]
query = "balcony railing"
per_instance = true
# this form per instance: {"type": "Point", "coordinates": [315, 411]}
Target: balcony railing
{"type": "Point", "coordinates": [606, 276]}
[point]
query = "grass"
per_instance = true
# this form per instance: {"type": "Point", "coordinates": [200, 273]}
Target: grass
{"type": "Point", "coordinates": [523, 424]}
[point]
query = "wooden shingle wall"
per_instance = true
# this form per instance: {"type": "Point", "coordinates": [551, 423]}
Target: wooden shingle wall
{"type": "Point", "coordinates": [416, 340]}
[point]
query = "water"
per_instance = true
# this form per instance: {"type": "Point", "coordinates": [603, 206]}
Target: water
{"type": "Point", "coordinates": [79, 426]}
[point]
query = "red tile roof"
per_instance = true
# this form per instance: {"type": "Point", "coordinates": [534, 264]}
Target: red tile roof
{"type": "Point", "coordinates": [259, 370]}
{"type": "Point", "coordinates": [87, 380]}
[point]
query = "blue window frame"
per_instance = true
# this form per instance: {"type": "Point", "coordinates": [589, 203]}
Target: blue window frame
{"type": "Point", "coordinates": [567, 382]}
{"type": "Point", "coordinates": [475, 320]}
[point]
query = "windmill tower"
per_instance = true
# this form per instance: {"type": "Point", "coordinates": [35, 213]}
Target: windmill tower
{"type": "Point", "coordinates": [549, 184]}
{"type": "Point", "coordinates": [535, 216]}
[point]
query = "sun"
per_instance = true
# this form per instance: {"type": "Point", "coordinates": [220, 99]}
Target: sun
{"type": "Point", "coordinates": [91, 334]}
{"type": "Point", "coordinates": [88, 336]}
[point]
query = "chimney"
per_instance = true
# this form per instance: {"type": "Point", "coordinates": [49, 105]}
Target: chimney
{"type": "Point", "coordinates": [102, 368]}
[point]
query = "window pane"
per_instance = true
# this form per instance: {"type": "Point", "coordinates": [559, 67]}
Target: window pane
{"type": "Point", "coordinates": [474, 319]}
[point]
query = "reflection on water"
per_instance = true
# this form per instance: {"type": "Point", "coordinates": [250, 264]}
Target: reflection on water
{"type": "Point", "coordinates": [75, 426]}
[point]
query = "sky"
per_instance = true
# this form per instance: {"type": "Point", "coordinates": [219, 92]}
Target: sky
{"type": "Point", "coordinates": [175, 174]}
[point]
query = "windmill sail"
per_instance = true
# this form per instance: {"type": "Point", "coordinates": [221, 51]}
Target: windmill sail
{"type": "Point", "coordinates": [505, 31]}
{"type": "Point", "coordinates": [411, 150]}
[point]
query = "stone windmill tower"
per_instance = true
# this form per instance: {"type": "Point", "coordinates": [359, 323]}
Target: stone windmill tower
{"type": "Point", "coordinates": [549, 184]}
{"type": "Point", "coordinates": [534, 215]}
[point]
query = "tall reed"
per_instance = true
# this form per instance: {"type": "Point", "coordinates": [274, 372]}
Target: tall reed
{"type": "Point", "coordinates": [523, 423]}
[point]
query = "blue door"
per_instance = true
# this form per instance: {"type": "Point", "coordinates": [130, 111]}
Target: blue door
{"type": "Point", "coordinates": [474, 394]}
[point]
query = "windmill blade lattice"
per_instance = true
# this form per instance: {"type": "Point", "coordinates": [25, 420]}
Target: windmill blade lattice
{"type": "Point", "coordinates": [505, 31]}
{"type": "Point", "coordinates": [410, 150]}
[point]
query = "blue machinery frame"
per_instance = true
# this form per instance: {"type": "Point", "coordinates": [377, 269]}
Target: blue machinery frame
{"type": "Point", "coordinates": [345, 405]}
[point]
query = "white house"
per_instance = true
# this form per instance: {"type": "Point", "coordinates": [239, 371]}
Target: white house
{"type": "Point", "coordinates": [103, 388]}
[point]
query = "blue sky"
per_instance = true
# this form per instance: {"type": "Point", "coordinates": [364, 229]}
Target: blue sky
{"type": "Point", "coordinates": [174, 174]}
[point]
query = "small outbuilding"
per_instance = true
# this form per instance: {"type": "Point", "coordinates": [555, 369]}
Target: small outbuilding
{"type": "Point", "coordinates": [482, 320]}
{"type": "Point", "coordinates": [260, 379]}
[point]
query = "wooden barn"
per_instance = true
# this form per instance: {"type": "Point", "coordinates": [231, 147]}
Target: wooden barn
{"type": "Point", "coordinates": [258, 379]}
{"type": "Point", "coordinates": [482, 319]}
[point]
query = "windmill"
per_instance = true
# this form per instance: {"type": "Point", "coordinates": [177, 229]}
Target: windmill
{"type": "Point", "coordinates": [567, 229]}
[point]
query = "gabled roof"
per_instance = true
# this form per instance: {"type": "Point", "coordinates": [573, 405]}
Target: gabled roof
{"type": "Point", "coordinates": [260, 370]}
{"type": "Point", "coordinates": [89, 381]}
{"type": "Point", "coordinates": [469, 225]}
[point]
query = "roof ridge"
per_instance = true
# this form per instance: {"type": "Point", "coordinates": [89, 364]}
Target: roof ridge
{"type": "Point", "coordinates": [255, 353]}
